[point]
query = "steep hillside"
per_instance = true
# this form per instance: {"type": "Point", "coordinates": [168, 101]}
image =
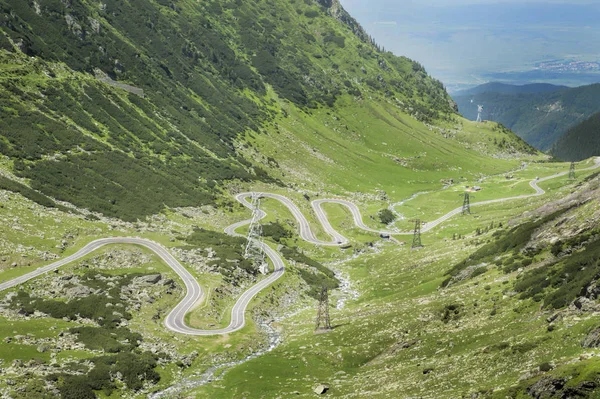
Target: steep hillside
{"type": "Point", "coordinates": [503, 88]}
{"type": "Point", "coordinates": [149, 118]}
{"type": "Point", "coordinates": [501, 303]}
{"type": "Point", "coordinates": [580, 142]}
{"type": "Point", "coordinates": [73, 75]}
{"type": "Point", "coordinates": [539, 118]}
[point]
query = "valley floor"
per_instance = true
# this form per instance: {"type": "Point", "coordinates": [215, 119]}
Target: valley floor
{"type": "Point", "coordinates": [399, 322]}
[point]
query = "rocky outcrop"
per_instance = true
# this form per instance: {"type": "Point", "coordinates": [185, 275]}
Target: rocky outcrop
{"type": "Point", "coordinates": [79, 291]}
{"type": "Point", "coordinates": [546, 387]}
{"type": "Point", "coordinates": [336, 10]}
{"type": "Point", "coordinates": [592, 340]}
{"type": "Point", "coordinates": [321, 389]}
{"type": "Point", "coordinates": [147, 280]}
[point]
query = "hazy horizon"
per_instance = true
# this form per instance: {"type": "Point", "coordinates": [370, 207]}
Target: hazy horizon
{"type": "Point", "coordinates": [465, 43]}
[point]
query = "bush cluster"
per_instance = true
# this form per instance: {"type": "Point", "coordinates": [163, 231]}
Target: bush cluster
{"type": "Point", "coordinates": [229, 251]}
{"type": "Point", "coordinates": [276, 231]}
{"type": "Point", "coordinates": [318, 278]}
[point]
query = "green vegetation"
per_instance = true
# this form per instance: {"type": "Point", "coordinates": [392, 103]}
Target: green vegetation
{"type": "Point", "coordinates": [204, 68]}
{"type": "Point", "coordinates": [558, 285]}
{"type": "Point", "coordinates": [132, 365]}
{"type": "Point", "coordinates": [109, 340]}
{"type": "Point", "coordinates": [580, 142]}
{"type": "Point", "coordinates": [571, 381]}
{"type": "Point", "coordinates": [276, 231]}
{"type": "Point", "coordinates": [16, 187]}
{"type": "Point", "coordinates": [135, 369]}
{"type": "Point", "coordinates": [93, 307]}
{"type": "Point", "coordinates": [511, 241]}
{"type": "Point", "coordinates": [290, 97]}
{"type": "Point", "coordinates": [228, 251]}
{"type": "Point", "coordinates": [320, 277]}
{"type": "Point", "coordinates": [386, 216]}
{"type": "Point", "coordinates": [541, 118]}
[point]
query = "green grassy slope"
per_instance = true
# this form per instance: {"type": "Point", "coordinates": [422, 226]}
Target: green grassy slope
{"type": "Point", "coordinates": [290, 97]}
{"type": "Point", "coordinates": [539, 118]}
{"type": "Point", "coordinates": [405, 336]}
{"type": "Point", "coordinates": [211, 73]}
{"type": "Point", "coordinates": [580, 142]}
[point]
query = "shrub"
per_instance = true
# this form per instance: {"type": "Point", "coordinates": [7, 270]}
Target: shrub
{"type": "Point", "coordinates": [514, 241]}
{"type": "Point", "coordinates": [386, 216]}
{"type": "Point", "coordinates": [276, 231]}
{"type": "Point", "coordinates": [321, 276]}
{"type": "Point", "coordinates": [545, 367]}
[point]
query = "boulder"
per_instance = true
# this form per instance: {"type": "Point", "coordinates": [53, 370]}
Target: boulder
{"type": "Point", "coordinates": [79, 291]}
{"type": "Point", "coordinates": [584, 304]}
{"type": "Point", "coordinates": [592, 291]}
{"type": "Point", "coordinates": [149, 279]}
{"type": "Point", "coordinates": [546, 387]}
{"type": "Point", "coordinates": [592, 340]}
{"type": "Point", "coordinates": [321, 389]}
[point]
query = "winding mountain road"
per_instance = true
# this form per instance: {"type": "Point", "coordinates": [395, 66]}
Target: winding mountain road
{"type": "Point", "coordinates": [175, 320]}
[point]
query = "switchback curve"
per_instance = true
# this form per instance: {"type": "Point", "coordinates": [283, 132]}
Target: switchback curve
{"type": "Point", "coordinates": [175, 320]}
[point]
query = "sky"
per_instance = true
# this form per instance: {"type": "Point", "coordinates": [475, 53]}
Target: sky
{"type": "Point", "coordinates": [469, 42]}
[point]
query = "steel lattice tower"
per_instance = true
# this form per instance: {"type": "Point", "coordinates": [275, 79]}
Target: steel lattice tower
{"type": "Point", "coordinates": [466, 208]}
{"type": "Point", "coordinates": [479, 112]}
{"type": "Point", "coordinates": [417, 235]}
{"type": "Point", "coordinates": [323, 321]}
{"type": "Point", "coordinates": [572, 171]}
{"type": "Point", "coordinates": [254, 247]}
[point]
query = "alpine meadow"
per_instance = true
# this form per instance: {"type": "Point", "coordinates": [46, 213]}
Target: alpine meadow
{"type": "Point", "coordinates": [253, 199]}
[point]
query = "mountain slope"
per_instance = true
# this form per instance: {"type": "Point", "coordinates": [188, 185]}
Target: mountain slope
{"type": "Point", "coordinates": [131, 107]}
{"type": "Point", "coordinates": [503, 88]}
{"type": "Point", "coordinates": [580, 142]}
{"type": "Point", "coordinates": [159, 112]}
{"type": "Point", "coordinates": [539, 118]}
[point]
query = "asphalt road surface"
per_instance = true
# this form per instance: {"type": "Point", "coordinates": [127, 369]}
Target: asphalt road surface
{"type": "Point", "coordinates": [175, 320]}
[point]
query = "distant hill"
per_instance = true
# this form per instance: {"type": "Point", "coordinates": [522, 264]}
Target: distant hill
{"type": "Point", "coordinates": [580, 142]}
{"type": "Point", "coordinates": [539, 117]}
{"type": "Point", "coordinates": [503, 88]}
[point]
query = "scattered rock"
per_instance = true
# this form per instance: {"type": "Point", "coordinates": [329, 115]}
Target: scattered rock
{"type": "Point", "coordinates": [150, 279]}
{"type": "Point", "coordinates": [582, 390]}
{"type": "Point", "coordinates": [43, 348]}
{"type": "Point", "coordinates": [79, 291]}
{"type": "Point", "coordinates": [584, 304]}
{"type": "Point", "coordinates": [592, 291]}
{"type": "Point", "coordinates": [546, 387]}
{"type": "Point", "coordinates": [592, 340]}
{"type": "Point", "coordinates": [321, 389]}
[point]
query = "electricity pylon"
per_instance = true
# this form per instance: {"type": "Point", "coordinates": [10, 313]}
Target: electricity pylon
{"type": "Point", "coordinates": [323, 321]}
{"type": "Point", "coordinates": [572, 171]}
{"type": "Point", "coordinates": [417, 235]}
{"type": "Point", "coordinates": [254, 247]}
{"type": "Point", "coordinates": [466, 208]}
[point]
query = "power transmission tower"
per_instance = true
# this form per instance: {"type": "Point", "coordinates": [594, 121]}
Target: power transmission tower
{"type": "Point", "coordinates": [254, 247]}
{"type": "Point", "coordinates": [323, 321]}
{"type": "Point", "coordinates": [466, 208]}
{"type": "Point", "coordinates": [416, 244]}
{"type": "Point", "coordinates": [479, 112]}
{"type": "Point", "coordinates": [572, 171]}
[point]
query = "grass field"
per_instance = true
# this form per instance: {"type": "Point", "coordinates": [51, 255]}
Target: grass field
{"type": "Point", "coordinates": [400, 324]}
